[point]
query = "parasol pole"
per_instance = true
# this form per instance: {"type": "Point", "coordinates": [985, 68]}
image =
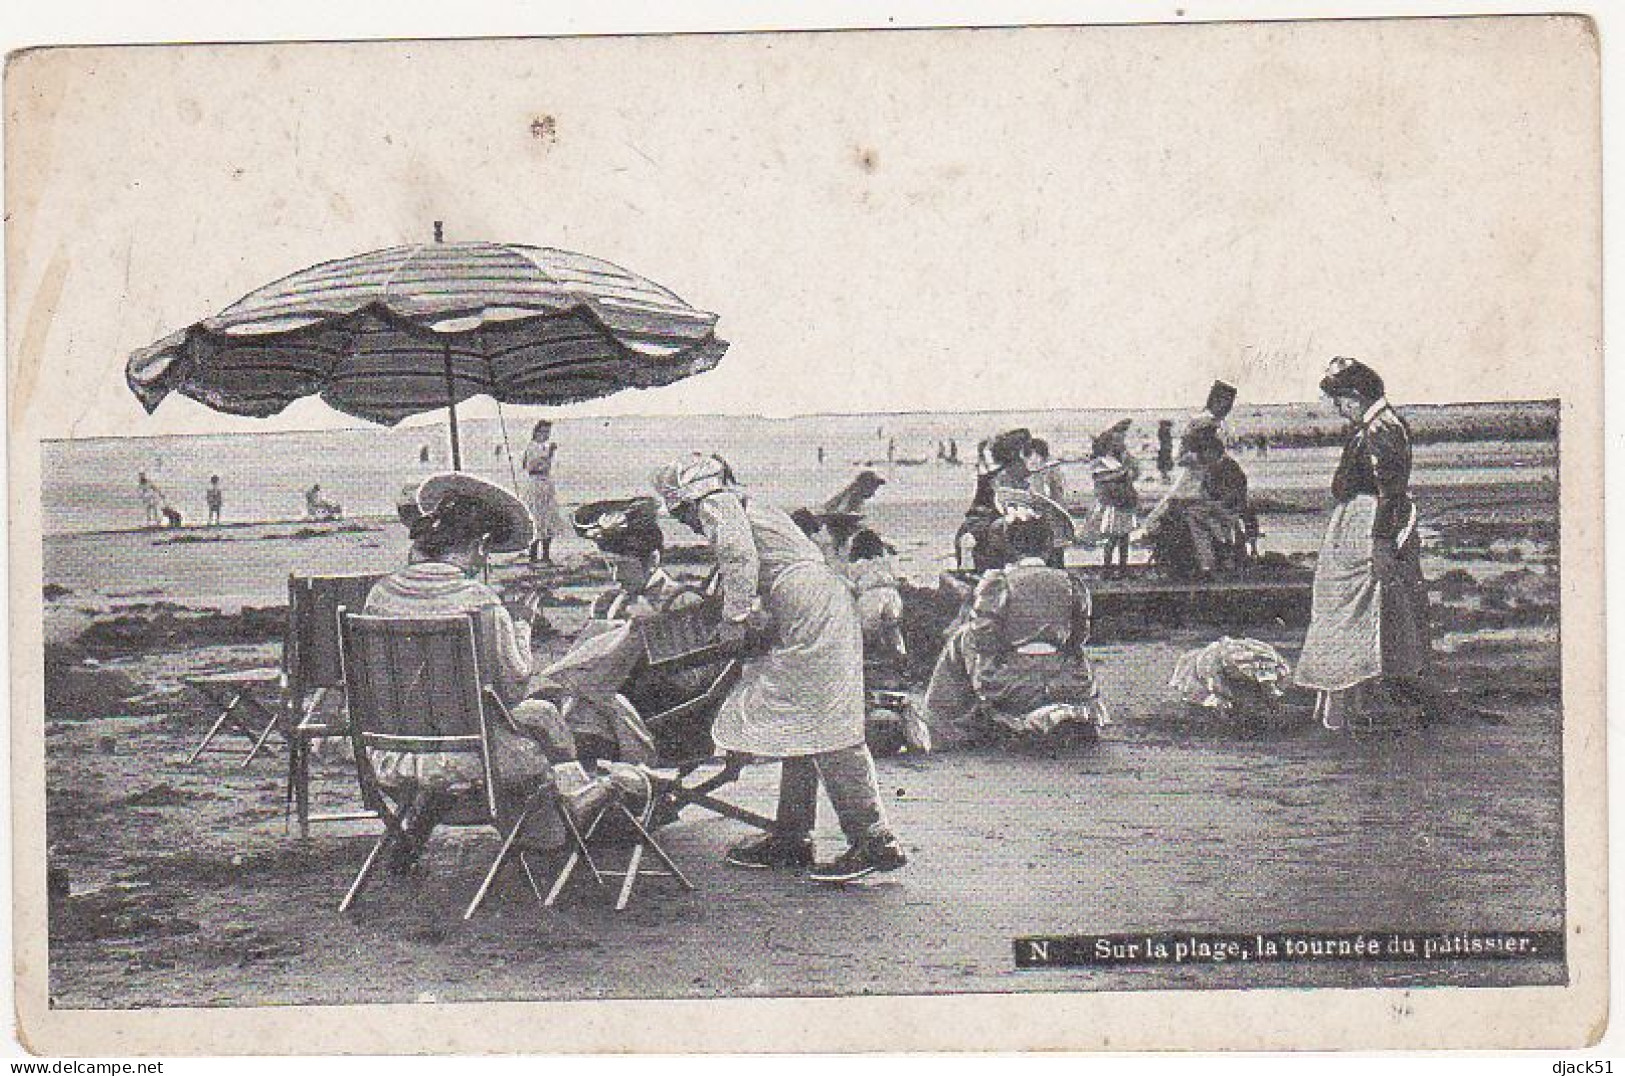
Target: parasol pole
{"type": "Point", "coordinates": [451, 380]}
{"type": "Point", "coordinates": [451, 408]}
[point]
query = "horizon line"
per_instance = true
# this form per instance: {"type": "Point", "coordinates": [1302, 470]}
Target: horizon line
{"type": "Point", "coordinates": [642, 416]}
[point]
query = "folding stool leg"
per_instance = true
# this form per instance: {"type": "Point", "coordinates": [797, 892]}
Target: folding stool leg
{"type": "Point", "coordinates": [265, 734]}
{"type": "Point", "coordinates": [577, 854]}
{"type": "Point", "coordinates": [581, 839]}
{"type": "Point", "coordinates": [290, 793]}
{"type": "Point", "coordinates": [301, 773]}
{"type": "Point", "coordinates": [496, 864]}
{"type": "Point", "coordinates": [214, 730]}
{"type": "Point", "coordinates": [302, 790]}
{"type": "Point", "coordinates": [530, 876]}
{"type": "Point", "coordinates": [366, 869]}
{"type": "Point", "coordinates": [630, 878]}
{"type": "Point", "coordinates": [562, 880]}
{"type": "Point", "coordinates": [660, 853]}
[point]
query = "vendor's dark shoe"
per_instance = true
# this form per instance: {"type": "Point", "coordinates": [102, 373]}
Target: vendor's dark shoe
{"type": "Point", "coordinates": [772, 852]}
{"type": "Point", "coordinates": [870, 856]}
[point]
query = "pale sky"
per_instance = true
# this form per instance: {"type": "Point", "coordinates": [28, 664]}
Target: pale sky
{"type": "Point", "coordinates": [924, 220]}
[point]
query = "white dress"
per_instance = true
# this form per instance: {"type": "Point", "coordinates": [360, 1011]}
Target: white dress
{"type": "Point", "coordinates": [542, 498]}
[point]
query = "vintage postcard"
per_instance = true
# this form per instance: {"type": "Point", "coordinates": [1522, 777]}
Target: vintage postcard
{"type": "Point", "coordinates": [1034, 538]}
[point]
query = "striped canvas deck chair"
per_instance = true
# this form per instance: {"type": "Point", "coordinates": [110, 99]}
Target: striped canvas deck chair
{"type": "Point", "coordinates": [314, 680]}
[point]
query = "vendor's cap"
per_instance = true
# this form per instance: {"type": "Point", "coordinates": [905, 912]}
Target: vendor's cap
{"type": "Point", "coordinates": [630, 525]}
{"type": "Point", "coordinates": [1351, 377]}
{"type": "Point", "coordinates": [691, 478]}
{"type": "Point", "coordinates": [1221, 397]}
{"type": "Point", "coordinates": [479, 508]}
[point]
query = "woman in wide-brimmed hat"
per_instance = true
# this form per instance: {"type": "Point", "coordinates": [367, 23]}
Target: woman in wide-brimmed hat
{"type": "Point", "coordinates": [605, 655]}
{"type": "Point", "coordinates": [628, 536]}
{"type": "Point", "coordinates": [460, 520]}
{"type": "Point", "coordinates": [801, 700]}
{"type": "Point", "coordinates": [1368, 621]}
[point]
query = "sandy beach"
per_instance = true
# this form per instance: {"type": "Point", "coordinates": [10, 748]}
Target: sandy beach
{"type": "Point", "coordinates": [170, 880]}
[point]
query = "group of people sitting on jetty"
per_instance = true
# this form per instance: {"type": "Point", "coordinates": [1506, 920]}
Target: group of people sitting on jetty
{"type": "Point", "coordinates": [790, 591]}
{"type": "Point", "coordinates": [1202, 525]}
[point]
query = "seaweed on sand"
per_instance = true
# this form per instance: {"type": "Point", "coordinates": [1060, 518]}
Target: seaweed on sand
{"type": "Point", "coordinates": [169, 626]}
{"type": "Point", "coordinates": [80, 691]}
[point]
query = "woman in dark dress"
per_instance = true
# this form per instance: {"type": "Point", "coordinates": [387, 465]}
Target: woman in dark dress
{"type": "Point", "coordinates": [1368, 627]}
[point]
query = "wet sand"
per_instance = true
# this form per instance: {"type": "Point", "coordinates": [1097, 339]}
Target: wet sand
{"type": "Point", "coordinates": [187, 892]}
{"type": "Point", "coordinates": [183, 888]}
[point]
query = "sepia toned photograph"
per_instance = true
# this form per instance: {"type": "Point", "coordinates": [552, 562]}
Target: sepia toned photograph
{"type": "Point", "coordinates": [1102, 517]}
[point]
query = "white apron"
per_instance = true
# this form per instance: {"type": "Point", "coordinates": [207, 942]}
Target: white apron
{"type": "Point", "coordinates": [1352, 612]}
{"type": "Point", "coordinates": [805, 695]}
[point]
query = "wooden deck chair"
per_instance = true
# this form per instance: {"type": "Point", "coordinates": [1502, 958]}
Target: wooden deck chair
{"type": "Point", "coordinates": [313, 675]}
{"type": "Point", "coordinates": [682, 681]}
{"type": "Point", "coordinates": [415, 686]}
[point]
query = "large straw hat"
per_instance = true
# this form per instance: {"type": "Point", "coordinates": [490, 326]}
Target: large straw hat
{"type": "Point", "coordinates": [628, 525]}
{"type": "Point", "coordinates": [512, 527]}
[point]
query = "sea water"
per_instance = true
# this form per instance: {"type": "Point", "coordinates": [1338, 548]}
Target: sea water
{"type": "Point", "coordinates": [90, 485]}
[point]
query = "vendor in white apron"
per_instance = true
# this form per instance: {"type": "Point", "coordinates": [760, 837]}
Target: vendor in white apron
{"type": "Point", "coordinates": [1368, 626]}
{"type": "Point", "coordinates": [801, 700]}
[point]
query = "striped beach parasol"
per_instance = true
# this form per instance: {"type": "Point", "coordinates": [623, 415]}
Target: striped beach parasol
{"type": "Point", "coordinates": [411, 329]}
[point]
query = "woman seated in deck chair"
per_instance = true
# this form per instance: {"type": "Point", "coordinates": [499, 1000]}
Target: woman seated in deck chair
{"type": "Point", "coordinates": [461, 520]}
{"type": "Point", "coordinates": [1014, 666]}
{"type": "Point", "coordinates": [608, 651]}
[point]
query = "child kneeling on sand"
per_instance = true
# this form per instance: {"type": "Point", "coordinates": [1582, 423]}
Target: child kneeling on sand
{"type": "Point", "coordinates": [1015, 666]}
{"type": "Point", "coordinates": [880, 601]}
